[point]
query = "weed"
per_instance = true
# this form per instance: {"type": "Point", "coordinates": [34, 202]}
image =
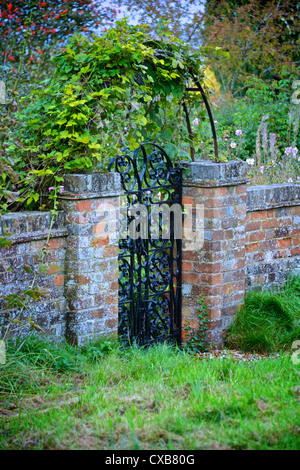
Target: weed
{"type": "Point", "coordinates": [196, 339]}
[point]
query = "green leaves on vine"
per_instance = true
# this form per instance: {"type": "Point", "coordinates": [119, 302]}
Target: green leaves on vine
{"type": "Point", "coordinates": [108, 93]}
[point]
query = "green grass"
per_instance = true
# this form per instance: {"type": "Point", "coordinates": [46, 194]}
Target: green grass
{"type": "Point", "coordinates": [60, 397]}
{"type": "Point", "coordinates": [268, 321]}
{"type": "Point", "coordinates": [33, 356]}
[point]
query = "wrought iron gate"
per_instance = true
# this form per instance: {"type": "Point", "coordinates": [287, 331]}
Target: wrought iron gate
{"type": "Point", "coordinates": [149, 246]}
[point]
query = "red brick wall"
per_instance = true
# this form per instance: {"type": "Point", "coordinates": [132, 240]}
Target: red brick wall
{"type": "Point", "coordinates": [215, 269]}
{"type": "Point", "coordinates": [82, 260]}
{"type": "Point", "coordinates": [92, 270]}
{"type": "Point", "coordinates": [272, 245]}
{"type": "Point", "coordinates": [28, 233]}
{"type": "Point", "coordinates": [249, 237]}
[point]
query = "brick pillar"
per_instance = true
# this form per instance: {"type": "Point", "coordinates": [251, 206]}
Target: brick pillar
{"type": "Point", "coordinates": [215, 268]}
{"type": "Point", "coordinates": [91, 205]}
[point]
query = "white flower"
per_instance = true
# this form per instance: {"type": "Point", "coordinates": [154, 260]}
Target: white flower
{"type": "Point", "coordinates": [288, 150]}
{"type": "Point", "coordinates": [290, 180]}
{"type": "Point", "coordinates": [294, 152]}
{"type": "Point", "coordinates": [250, 161]}
{"type": "Point", "coordinates": [238, 132]}
{"type": "Point", "coordinates": [196, 122]}
{"type": "Point", "coordinates": [233, 145]}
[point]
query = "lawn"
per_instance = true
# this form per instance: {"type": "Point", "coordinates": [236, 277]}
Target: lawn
{"type": "Point", "coordinates": [101, 397]}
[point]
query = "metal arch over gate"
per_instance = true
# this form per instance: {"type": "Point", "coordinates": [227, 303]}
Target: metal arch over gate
{"type": "Point", "coordinates": [149, 253]}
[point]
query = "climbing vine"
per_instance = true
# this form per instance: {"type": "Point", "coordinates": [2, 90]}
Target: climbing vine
{"type": "Point", "coordinates": [108, 92]}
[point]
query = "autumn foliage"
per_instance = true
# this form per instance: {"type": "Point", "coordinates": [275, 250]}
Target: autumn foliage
{"type": "Point", "coordinates": [29, 28]}
{"type": "Point", "coordinates": [259, 36]}
{"type": "Point", "coordinates": [256, 36]}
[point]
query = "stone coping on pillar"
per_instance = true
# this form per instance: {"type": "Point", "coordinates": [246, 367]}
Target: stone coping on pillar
{"type": "Point", "coordinates": [206, 173]}
{"type": "Point", "coordinates": [91, 185]}
{"type": "Point", "coordinates": [271, 196]}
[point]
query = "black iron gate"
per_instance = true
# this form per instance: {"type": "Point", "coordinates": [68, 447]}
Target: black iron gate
{"type": "Point", "coordinates": [149, 246]}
